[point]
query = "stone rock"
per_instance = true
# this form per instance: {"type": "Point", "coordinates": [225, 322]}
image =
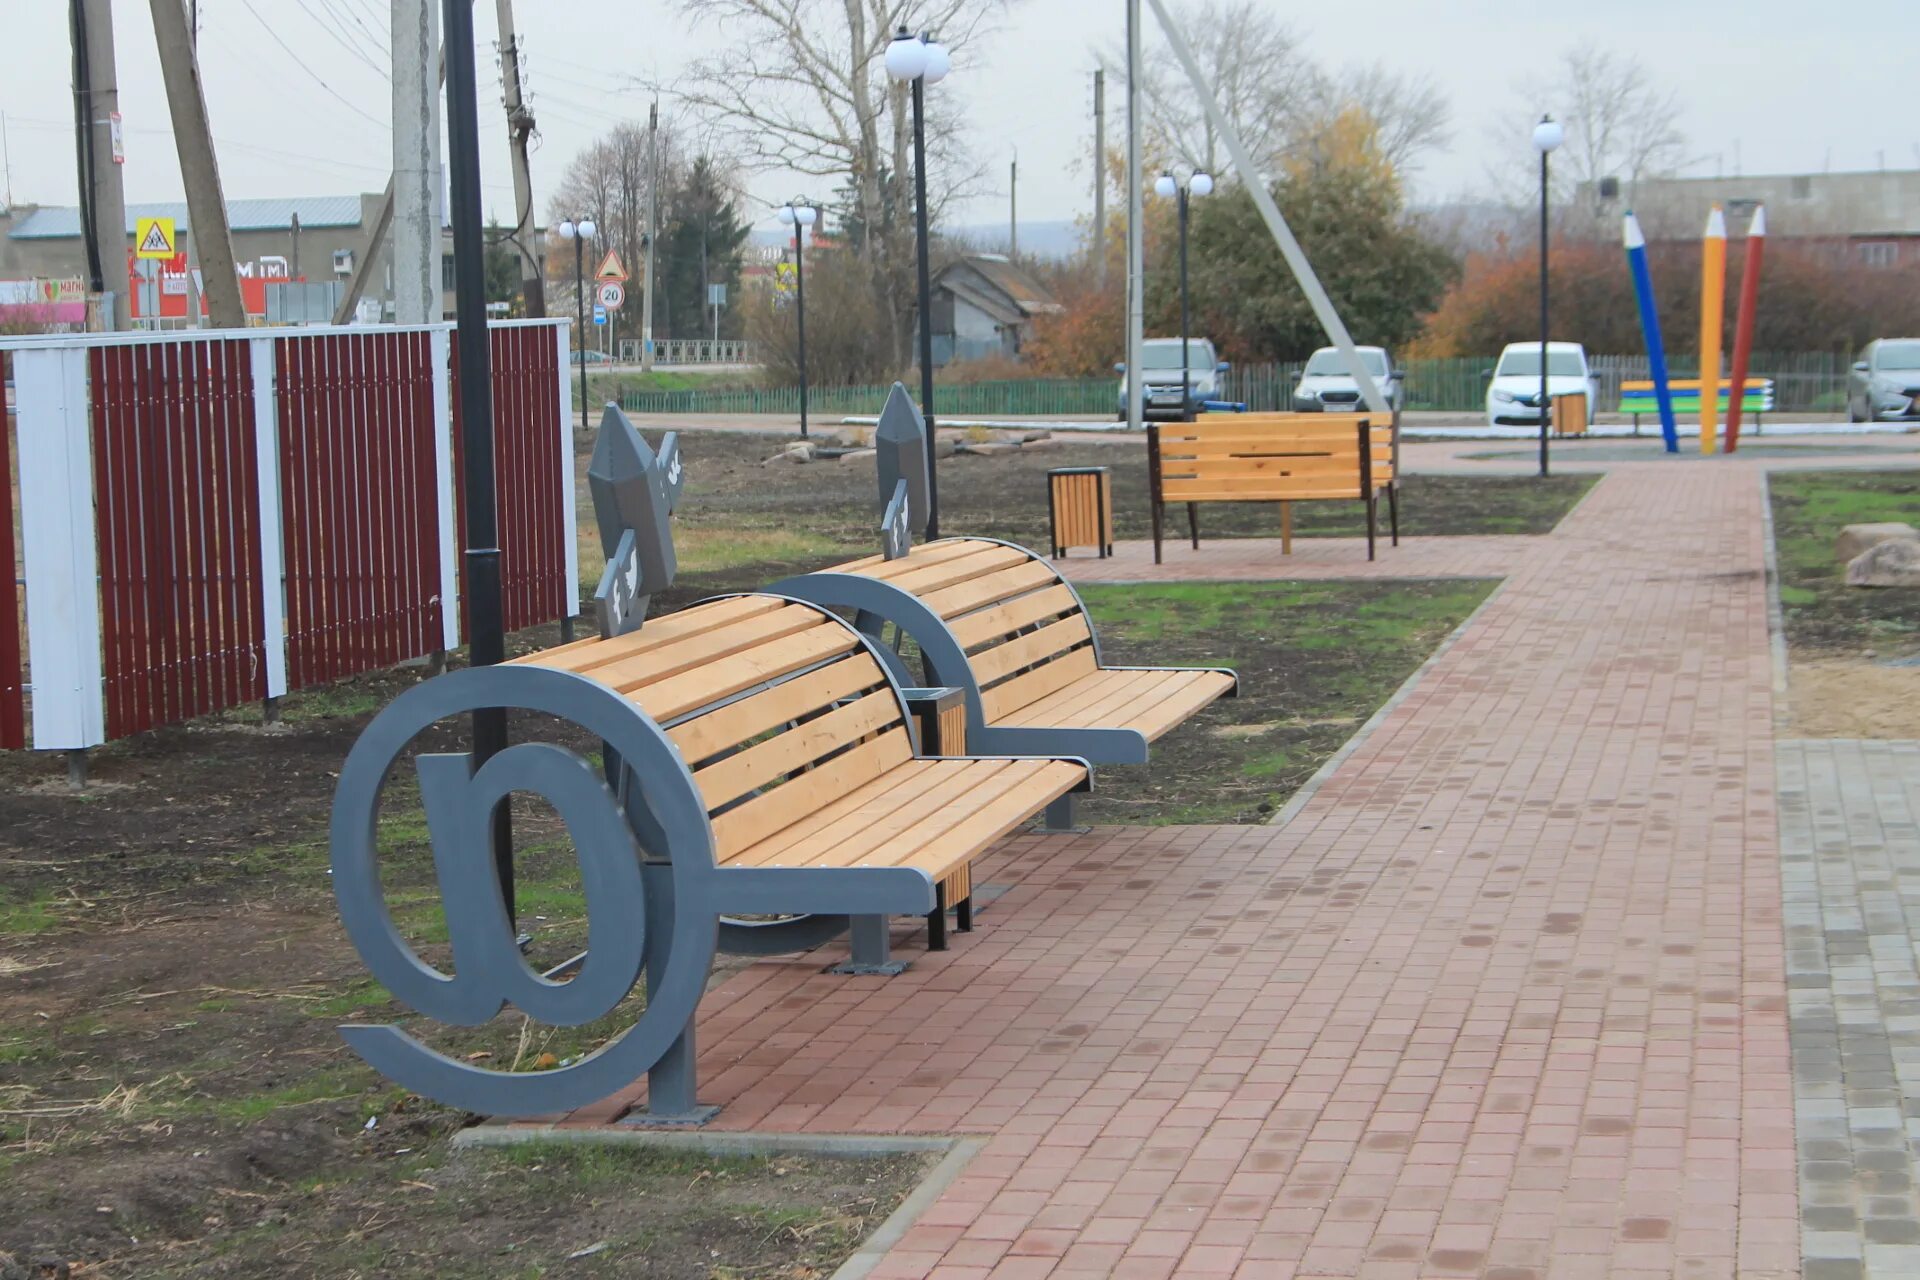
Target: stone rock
{"type": "Point", "coordinates": [945, 447]}
{"type": "Point", "coordinates": [1856, 538]}
{"type": "Point", "coordinates": [1893, 563]}
{"type": "Point", "coordinates": [798, 451]}
{"type": "Point", "coordinates": [858, 455]}
{"type": "Point", "coordinates": [850, 437]}
{"type": "Point", "coordinates": [1032, 436]}
{"type": "Point", "coordinates": [1044, 442]}
{"type": "Point", "coordinates": [988, 448]}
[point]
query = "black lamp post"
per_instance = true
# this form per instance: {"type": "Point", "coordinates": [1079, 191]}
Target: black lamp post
{"type": "Point", "coordinates": [487, 643]}
{"type": "Point", "coordinates": [1198, 184]}
{"type": "Point", "coordinates": [799, 214]}
{"type": "Point", "coordinates": [1547, 136]}
{"type": "Point", "coordinates": [922, 62]}
{"type": "Point", "coordinates": [580, 231]}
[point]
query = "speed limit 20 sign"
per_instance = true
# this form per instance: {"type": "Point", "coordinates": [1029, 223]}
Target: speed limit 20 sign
{"type": "Point", "coordinates": [612, 294]}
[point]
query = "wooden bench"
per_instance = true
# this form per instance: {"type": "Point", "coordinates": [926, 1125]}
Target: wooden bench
{"type": "Point", "coordinates": [1639, 398]}
{"type": "Point", "coordinates": [997, 621]}
{"type": "Point", "coordinates": [803, 749]}
{"type": "Point", "coordinates": [1280, 457]}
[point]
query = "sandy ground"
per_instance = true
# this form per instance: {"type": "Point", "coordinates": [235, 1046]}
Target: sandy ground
{"type": "Point", "coordinates": [1851, 698]}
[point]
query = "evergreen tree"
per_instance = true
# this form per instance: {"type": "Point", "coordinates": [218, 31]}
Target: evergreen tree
{"type": "Point", "coordinates": [701, 243]}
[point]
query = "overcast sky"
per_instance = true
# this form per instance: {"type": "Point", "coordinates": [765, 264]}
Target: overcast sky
{"type": "Point", "coordinates": [1779, 84]}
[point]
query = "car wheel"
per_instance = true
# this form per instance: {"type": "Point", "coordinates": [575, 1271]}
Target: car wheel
{"type": "Point", "coordinates": [1853, 414]}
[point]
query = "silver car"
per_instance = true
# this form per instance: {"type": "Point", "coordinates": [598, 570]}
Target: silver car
{"type": "Point", "coordinates": [1885, 383]}
{"type": "Point", "coordinates": [1326, 386]}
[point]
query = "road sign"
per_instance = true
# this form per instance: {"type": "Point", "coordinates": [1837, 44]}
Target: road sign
{"type": "Point", "coordinates": [153, 238]}
{"type": "Point", "coordinates": [599, 315]}
{"type": "Point", "coordinates": [612, 294]}
{"type": "Point", "coordinates": [716, 295]}
{"type": "Point", "coordinates": [611, 268]}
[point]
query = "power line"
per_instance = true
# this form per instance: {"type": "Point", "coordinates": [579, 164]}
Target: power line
{"type": "Point", "coordinates": [340, 39]}
{"type": "Point", "coordinates": [344, 101]}
{"type": "Point", "coordinates": [341, 9]}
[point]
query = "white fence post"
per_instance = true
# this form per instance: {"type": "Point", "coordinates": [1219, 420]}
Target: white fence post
{"type": "Point", "coordinates": [266, 461]}
{"type": "Point", "coordinates": [61, 548]}
{"type": "Point", "coordinates": [569, 492]}
{"type": "Point", "coordinates": [439, 343]}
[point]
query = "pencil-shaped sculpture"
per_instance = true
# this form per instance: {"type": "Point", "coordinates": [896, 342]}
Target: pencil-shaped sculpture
{"type": "Point", "coordinates": [1650, 329]}
{"type": "Point", "coordinates": [1713, 302]}
{"type": "Point", "coordinates": [1743, 321]}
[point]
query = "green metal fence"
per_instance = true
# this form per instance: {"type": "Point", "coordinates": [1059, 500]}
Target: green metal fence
{"type": "Point", "coordinates": [1803, 382]}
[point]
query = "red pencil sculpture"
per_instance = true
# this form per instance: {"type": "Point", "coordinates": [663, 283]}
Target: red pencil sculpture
{"type": "Point", "coordinates": [1743, 323]}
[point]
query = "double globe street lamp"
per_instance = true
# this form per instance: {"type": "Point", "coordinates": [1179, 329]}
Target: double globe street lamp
{"type": "Point", "coordinates": [1166, 186]}
{"type": "Point", "coordinates": [799, 214]}
{"type": "Point", "coordinates": [920, 62]}
{"type": "Point", "coordinates": [1547, 136]}
{"type": "Point", "coordinates": [579, 231]}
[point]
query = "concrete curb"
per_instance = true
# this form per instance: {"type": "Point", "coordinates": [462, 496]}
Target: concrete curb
{"type": "Point", "coordinates": [958, 1152]}
{"type": "Point", "coordinates": [1776, 613]}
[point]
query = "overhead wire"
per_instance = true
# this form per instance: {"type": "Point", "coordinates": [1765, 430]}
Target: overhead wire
{"type": "Point", "coordinates": [340, 38]}
{"type": "Point", "coordinates": [298, 62]}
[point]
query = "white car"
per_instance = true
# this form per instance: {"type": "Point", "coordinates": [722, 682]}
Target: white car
{"type": "Point", "coordinates": [1160, 359]}
{"type": "Point", "coordinates": [1327, 387]}
{"type": "Point", "coordinates": [1513, 396]}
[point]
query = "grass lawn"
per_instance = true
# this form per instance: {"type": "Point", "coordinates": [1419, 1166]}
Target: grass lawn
{"type": "Point", "coordinates": [1824, 614]}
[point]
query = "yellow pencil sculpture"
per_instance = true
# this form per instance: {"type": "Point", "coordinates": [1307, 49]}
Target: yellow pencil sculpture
{"type": "Point", "coordinates": [1713, 289]}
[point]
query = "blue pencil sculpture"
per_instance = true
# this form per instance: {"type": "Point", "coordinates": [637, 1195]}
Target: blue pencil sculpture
{"type": "Point", "coordinates": [1650, 329]}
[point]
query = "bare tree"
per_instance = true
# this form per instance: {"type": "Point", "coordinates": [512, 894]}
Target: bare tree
{"type": "Point", "coordinates": [608, 182]}
{"type": "Point", "coordinates": [802, 88]}
{"type": "Point", "coordinates": [1410, 115]}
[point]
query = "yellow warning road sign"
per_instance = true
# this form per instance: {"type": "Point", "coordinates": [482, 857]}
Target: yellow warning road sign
{"type": "Point", "coordinates": [611, 268]}
{"type": "Point", "coordinates": [153, 238]}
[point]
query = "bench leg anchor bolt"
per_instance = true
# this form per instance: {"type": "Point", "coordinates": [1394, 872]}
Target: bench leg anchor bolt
{"type": "Point", "coordinates": [872, 950]}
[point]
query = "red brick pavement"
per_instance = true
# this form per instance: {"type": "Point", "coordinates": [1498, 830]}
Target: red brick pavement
{"type": "Point", "coordinates": [1504, 999]}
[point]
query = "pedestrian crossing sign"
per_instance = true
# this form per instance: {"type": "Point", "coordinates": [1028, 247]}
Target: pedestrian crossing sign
{"type": "Point", "coordinates": [153, 238]}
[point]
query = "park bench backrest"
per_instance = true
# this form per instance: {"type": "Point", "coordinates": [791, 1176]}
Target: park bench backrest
{"type": "Point", "coordinates": [1637, 396]}
{"type": "Point", "coordinates": [777, 708]}
{"type": "Point", "coordinates": [1269, 458]}
{"type": "Point", "coordinates": [1023, 629]}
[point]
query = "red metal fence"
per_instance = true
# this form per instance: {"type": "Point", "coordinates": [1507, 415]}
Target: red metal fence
{"type": "Point", "coordinates": [176, 509]}
{"type": "Point", "coordinates": [13, 725]}
{"type": "Point", "coordinates": [530, 478]}
{"type": "Point", "coordinates": [359, 502]}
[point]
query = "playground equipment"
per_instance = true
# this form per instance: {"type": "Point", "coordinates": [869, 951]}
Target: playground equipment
{"type": "Point", "coordinates": [1650, 329]}
{"type": "Point", "coordinates": [1713, 289]}
{"type": "Point", "coordinates": [1743, 322]}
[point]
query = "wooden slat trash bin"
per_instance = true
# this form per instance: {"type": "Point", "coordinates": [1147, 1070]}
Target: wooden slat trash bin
{"type": "Point", "coordinates": [1080, 506]}
{"type": "Point", "coordinates": [1570, 414]}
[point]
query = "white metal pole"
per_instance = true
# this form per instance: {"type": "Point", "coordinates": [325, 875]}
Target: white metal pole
{"type": "Point", "coordinates": [1136, 212]}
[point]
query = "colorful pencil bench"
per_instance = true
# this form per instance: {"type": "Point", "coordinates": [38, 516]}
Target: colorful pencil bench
{"type": "Point", "coordinates": [1637, 398]}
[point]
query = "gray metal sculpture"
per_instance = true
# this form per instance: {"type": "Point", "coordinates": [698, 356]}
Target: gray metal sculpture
{"type": "Point", "coordinates": [634, 491]}
{"type": "Point", "coordinates": [900, 444]}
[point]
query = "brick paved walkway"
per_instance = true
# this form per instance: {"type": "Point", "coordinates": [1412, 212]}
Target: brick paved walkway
{"type": "Point", "coordinates": [1506, 997]}
{"type": "Point", "coordinates": [1850, 845]}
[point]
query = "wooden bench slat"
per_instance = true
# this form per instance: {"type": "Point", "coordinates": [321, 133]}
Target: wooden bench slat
{"type": "Point", "coordinates": [866, 803]}
{"type": "Point", "coordinates": [735, 723]}
{"type": "Point", "coordinates": [1151, 706]}
{"type": "Point", "coordinates": [986, 787]}
{"type": "Point", "coordinates": [781, 755]}
{"type": "Point", "coordinates": [1034, 788]}
{"type": "Point", "coordinates": [1102, 688]}
{"type": "Point", "coordinates": [1010, 695]}
{"type": "Point", "coordinates": [1033, 647]}
{"type": "Point", "coordinates": [688, 654]}
{"type": "Point", "coordinates": [675, 697]}
{"type": "Point", "coordinates": [758, 818]}
{"type": "Point", "coordinates": [1183, 700]}
{"type": "Point", "coordinates": [583, 655]}
{"type": "Point", "coordinates": [923, 557]}
{"type": "Point", "coordinates": [864, 840]}
{"type": "Point", "coordinates": [951, 602]}
{"type": "Point", "coordinates": [987, 559]}
{"type": "Point", "coordinates": [986, 625]}
{"type": "Point", "coordinates": [1277, 489]}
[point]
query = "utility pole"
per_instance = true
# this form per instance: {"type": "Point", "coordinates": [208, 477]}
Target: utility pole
{"type": "Point", "coordinates": [96, 118]}
{"type": "Point", "coordinates": [416, 163]}
{"type": "Point", "coordinates": [1100, 175]}
{"type": "Point", "coordinates": [1136, 382]}
{"type": "Point", "coordinates": [293, 267]}
{"type": "Point", "coordinates": [533, 290]}
{"type": "Point", "coordinates": [199, 170]}
{"type": "Point", "coordinates": [1013, 206]}
{"type": "Point", "coordinates": [653, 227]}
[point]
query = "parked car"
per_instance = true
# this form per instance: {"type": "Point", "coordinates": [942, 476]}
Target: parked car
{"type": "Point", "coordinates": [1513, 395]}
{"type": "Point", "coordinates": [1160, 363]}
{"type": "Point", "coordinates": [590, 356]}
{"type": "Point", "coordinates": [1327, 387]}
{"type": "Point", "coordinates": [1885, 383]}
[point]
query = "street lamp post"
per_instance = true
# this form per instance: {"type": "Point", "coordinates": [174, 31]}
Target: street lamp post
{"type": "Point", "coordinates": [799, 214]}
{"type": "Point", "coordinates": [1198, 184]}
{"type": "Point", "coordinates": [922, 62]}
{"type": "Point", "coordinates": [1547, 136]}
{"type": "Point", "coordinates": [580, 231]}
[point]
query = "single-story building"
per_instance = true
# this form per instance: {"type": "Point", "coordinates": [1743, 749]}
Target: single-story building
{"type": "Point", "coordinates": [984, 305]}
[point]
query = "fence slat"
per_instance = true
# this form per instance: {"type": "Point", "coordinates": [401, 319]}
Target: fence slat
{"type": "Point", "coordinates": [13, 723]}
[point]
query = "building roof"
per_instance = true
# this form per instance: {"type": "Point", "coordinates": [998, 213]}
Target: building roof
{"type": "Point", "coordinates": [1019, 293]}
{"type": "Point", "coordinates": [58, 222]}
